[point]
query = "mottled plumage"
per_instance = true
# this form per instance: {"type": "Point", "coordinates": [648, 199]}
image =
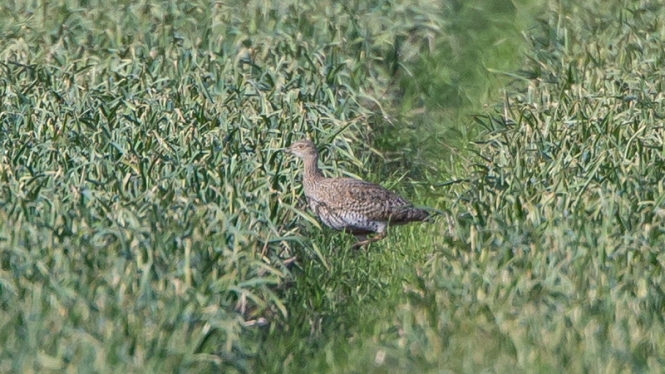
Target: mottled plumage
{"type": "Point", "coordinates": [352, 205]}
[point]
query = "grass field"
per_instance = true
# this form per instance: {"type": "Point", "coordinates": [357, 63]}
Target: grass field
{"type": "Point", "coordinates": [149, 222]}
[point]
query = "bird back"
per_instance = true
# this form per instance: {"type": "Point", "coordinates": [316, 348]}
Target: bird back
{"type": "Point", "coordinates": [353, 196]}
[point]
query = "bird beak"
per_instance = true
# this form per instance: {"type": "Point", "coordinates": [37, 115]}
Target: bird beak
{"type": "Point", "coordinates": [286, 150]}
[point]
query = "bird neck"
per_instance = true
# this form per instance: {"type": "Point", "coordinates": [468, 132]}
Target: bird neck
{"type": "Point", "coordinates": [312, 170]}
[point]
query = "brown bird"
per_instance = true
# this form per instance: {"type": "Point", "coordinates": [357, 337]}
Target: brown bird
{"type": "Point", "coordinates": [352, 205]}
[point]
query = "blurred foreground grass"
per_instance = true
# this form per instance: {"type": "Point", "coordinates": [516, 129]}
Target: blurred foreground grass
{"type": "Point", "coordinates": [148, 222]}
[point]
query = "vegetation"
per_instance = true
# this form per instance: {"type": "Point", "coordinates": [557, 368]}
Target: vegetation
{"type": "Point", "coordinates": [149, 222]}
{"type": "Point", "coordinates": [558, 263]}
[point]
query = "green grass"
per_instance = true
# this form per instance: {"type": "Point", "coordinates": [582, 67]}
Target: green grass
{"type": "Point", "coordinates": [555, 264]}
{"type": "Point", "coordinates": [149, 223]}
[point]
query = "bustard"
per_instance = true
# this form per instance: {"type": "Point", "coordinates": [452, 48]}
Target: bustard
{"type": "Point", "coordinates": [351, 205]}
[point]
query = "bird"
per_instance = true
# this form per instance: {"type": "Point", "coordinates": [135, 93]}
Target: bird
{"type": "Point", "coordinates": [352, 205]}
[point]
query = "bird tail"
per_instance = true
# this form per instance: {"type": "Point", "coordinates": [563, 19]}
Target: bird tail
{"type": "Point", "coordinates": [410, 214]}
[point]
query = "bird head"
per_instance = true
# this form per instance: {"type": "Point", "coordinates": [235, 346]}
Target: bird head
{"type": "Point", "coordinates": [303, 149]}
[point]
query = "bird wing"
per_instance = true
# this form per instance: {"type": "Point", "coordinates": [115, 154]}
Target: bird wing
{"type": "Point", "coordinates": [365, 198]}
